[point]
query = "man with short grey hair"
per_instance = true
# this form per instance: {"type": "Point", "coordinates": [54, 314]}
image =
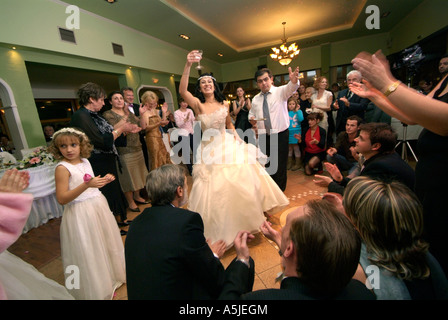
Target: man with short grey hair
{"type": "Point", "coordinates": [349, 104]}
{"type": "Point", "coordinates": [167, 255]}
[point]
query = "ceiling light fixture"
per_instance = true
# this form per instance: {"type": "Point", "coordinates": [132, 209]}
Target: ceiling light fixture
{"type": "Point", "coordinates": [111, 1]}
{"type": "Point", "coordinates": [185, 37]}
{"type": "Point", "coordinates": [285, 54]}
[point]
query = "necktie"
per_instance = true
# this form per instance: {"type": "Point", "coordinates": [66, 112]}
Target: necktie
{"type": "Point", "coordinates": [131, 108]}
{"type": "Point", "coordinates": [350, 94]}
{"type": "Point", "coordinates": [267, 122]}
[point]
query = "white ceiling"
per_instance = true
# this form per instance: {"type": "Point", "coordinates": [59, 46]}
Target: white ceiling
{"type": "Point", "coordinates": [241, 29]}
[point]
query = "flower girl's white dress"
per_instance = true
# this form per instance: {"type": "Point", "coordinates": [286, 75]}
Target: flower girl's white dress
{"type": "Point", "coordinates": [231, 189]}
{"type": "Point", "coordinates": [90, 241]}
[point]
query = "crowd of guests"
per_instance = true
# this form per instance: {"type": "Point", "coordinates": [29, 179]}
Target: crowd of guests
{"type": "Point", "coordinates": [378, 214]}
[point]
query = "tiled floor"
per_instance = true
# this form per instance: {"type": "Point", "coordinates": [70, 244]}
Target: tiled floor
{"type": "Point", "coordinates": [40, 247]}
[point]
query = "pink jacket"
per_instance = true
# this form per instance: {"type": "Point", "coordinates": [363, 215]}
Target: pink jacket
{"type": "Point", "coordinates": [14, 211]}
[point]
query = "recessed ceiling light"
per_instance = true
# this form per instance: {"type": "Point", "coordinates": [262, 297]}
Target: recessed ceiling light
{"type": "Point", "coordinates": [112, 1]}
{"type": "Point", "coordinates": [185, 37]}
{"type": "Point", "coordinates": [220, 54]}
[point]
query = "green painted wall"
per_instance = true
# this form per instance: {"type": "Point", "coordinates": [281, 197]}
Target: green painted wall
{"type": "Point", "coordinates": [426, 19]}
{"type": "Point", "coordinates": [13, 72]}
{"type": "Point", "coordinates": [94, 38]}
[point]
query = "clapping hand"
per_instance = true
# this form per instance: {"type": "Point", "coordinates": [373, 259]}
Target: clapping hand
{"type": "Point", "coordinates": [334, 171]}
{"type": "Point", "coordinates": [364, 89]}
{"type": "Point", "coordinates": [336, 104]}
{"type": "Point", "coordinates": [322, 181]}
{"type": "Point", "coordinates": [14, 181]}
{"type": "Point", "coordinates": [375, 68]}
{"type": "Point", "coordinates": [345, 100]}
{"type": "Point", "coordinates": [99, 182]}
{"type": "Point", "coordinates": [298, 137]}
{"type": "Point", "coordinates": [142, 109]}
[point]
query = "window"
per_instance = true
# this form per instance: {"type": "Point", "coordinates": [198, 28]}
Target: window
{"type": "Point", "coordinates": [56, 112]}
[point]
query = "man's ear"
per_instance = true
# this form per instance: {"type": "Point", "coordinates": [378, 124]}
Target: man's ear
{"type": "Point", "coordinates": [180, 191]}
{"type": "Point", "coordinates": [376, 146]}
{"type": "Point", "coordinates": [289, 250]}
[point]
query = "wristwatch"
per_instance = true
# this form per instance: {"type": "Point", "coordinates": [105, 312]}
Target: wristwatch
{"type": "Point", "coordinates": [392, 88]}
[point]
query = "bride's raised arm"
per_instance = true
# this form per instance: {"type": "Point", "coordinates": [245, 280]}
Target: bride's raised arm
{"type": "Point", "coordinates": [191, 100]}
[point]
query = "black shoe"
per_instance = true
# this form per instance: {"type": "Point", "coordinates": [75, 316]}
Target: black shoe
{"type": "Point", "coordinates": [134, 210]}
{"type": "Point", "coordinates": [139, 202]}
{"type": "Point", "coordinates": [123, 224]}
{"type": "Point", "coordinates": [123, 233]}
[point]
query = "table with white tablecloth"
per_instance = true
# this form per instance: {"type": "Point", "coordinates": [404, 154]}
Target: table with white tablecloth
{"type": "Point", "coordinates": [42, 186]}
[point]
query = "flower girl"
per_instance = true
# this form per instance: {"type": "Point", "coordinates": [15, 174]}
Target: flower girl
{"type": "Point", "coordinates": [91, 246]}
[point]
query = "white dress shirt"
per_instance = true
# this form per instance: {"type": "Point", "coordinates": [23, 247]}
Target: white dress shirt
{"type": "Point", "coordinates": [131, 108]}
{"type": "Point", "coordinates": [278, 106]}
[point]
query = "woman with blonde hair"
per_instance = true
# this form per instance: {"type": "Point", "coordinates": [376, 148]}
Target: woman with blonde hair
{"type": "Point", "coordinates": [389, 218]}
{"type": "Point", "coordinates": [158, 155]}
{"type": "Point", "coordinates": [321, 100]}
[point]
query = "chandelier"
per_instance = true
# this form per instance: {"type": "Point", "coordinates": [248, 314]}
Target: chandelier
{"type": "Point", "coordinates": [285, 54]}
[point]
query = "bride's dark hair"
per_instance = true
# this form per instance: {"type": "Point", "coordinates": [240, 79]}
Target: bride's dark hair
{"type": "Point", "coordinates": [218, 94]}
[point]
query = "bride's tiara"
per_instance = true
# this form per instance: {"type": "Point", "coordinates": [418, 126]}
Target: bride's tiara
{"type": "Point", "coordinates": [206, 76]}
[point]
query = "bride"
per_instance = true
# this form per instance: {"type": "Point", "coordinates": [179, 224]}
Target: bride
{"type": "Point", "coordinates": [231, 189]}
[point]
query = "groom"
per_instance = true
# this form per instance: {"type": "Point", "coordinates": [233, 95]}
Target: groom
{"type": "Point", "coordinates": [270, 120]}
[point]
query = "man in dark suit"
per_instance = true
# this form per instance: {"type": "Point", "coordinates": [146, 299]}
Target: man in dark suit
{"type": "Point", "coordinates": [319, 249]}
{"type": "Point", "coordinates": [167, 256]}
{"type": "Point", "coordinates": [128, 95]}
{"type": "Point", "coordinates": [376, 142]}
{"type": "Point", "coordinates": [349, 104]}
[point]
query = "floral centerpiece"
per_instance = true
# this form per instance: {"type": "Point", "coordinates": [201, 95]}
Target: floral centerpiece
{"type": "Point", "coordinates": [38, 157]}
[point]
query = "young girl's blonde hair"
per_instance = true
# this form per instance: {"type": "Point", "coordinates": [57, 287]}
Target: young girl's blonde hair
{"type": "Point", "coordinates": [73, 134]}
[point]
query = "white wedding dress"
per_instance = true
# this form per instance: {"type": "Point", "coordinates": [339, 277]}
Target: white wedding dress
{"type": "Point", "coordinates": [231, 189]}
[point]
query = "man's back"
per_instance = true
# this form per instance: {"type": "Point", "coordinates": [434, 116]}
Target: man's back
{"type": "Point", "coordinates": [383, 167]}
{"type": "Point", "coordinates": [389, 166]}
{"type": "Point", "coordinates": [167, 257]}
{"type": "Point", "coordinates": [293, 289]}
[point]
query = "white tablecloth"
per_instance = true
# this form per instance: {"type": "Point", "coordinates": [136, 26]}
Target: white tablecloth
{"type": "Point", "coordinates": [45, 206]}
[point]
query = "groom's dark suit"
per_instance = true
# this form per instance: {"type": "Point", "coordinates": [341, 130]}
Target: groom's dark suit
{"type": "Point", "coordinates": [168, 258]}
{"type": "Point", "coordinates": [358, 107]}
